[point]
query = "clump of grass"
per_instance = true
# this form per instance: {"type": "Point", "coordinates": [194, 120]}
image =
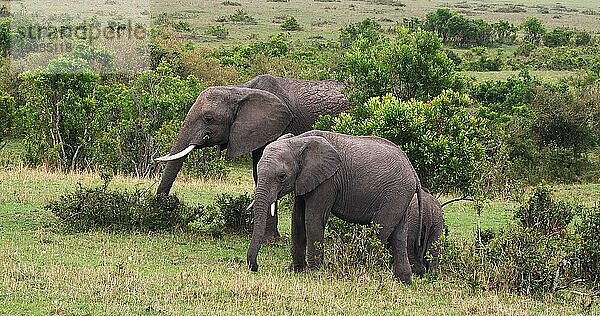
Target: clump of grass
{"type": "Point", "coordinates": [231, 3]}
{"type": "Point", "coordinates": [291, 24]}
{"type": "Point", "coordinates": [242, 17]}
{"type": "Point", "coordinates": [218, 31]}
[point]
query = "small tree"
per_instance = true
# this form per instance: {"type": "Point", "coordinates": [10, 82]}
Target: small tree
{"type": "Point", "coordinates": [412, 65]}
{"type": "Point", "coordinates": [367, 29]}
{"type": "Point", "coordinates": [290, 24]}
{"type": "Point", "coordinates": [534, 30]}
{"type": "Point", "coordinates": [445, 142]}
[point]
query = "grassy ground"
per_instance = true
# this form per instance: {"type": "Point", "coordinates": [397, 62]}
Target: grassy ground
{"type": "Point", "coordinates": [317, 18]}
{"type": "Point", "coordinates": [45, 271]}
{"type": "Point", "coordinates": [325, 18]}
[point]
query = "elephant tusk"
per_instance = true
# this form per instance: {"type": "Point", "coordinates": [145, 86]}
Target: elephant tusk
{"type": "Point", "coordinates": [273, 208]}
{"type": "Point", "coordinates": [206, 137]}
{"type": "Point", "coordinates": [178, 155]}
{"type": "Point", "coordinates": [250, 206]}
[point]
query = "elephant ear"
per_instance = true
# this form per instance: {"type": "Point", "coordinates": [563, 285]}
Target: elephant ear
{"type": "Point", "coordinates": [318, 161]}
{"type": "Point", "coordinates": [261, 117]}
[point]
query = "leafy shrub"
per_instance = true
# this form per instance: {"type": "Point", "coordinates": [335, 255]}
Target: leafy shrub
{"type": "Point", "coordinates": [543, 214]}
{"type": "Point", "coordinates": [56, 106]}
{"type": "Point", "coordinates": [559, 36]}
{"type": "Point", "coordinates": [218, 31]}
{"type": "Point", "coordinates": [413, 65]}
{"type": "Point", "coordinates": [75, 120]}
{"type": "Point", "coordinates": [241, 16]}
{"type": "Point", "coordinates": [482, 61]}
{"type": "Point", "coordinates": [588, 256]}
{"type": "Point", "coordinates": [228, 215]}
{"type": "Point", "coordinates": [459, 31]}
{"type": "Point", "coordinates": [5, 36]}
{"type": "Point", "coordinates": [534, 30]}
{"type": "Point", "coordinates": [99, 208]}
{"type": "Point", "coordinates": [208, 221]}
{"type": "Point", "coordinates": [89, 209]}
{"type": "Point", "coordinates": [367, 29]}
{"type": "Point", "coordinates": [541, 254]}
{"type": "Point", "coordinates": [290, 24]}
{"type": "Point", "coordinates": [354, 251]}
{"type": "Point", "coordinates": [445, 142]}
{"type": "Point", "coordinates": [231, 3]}
{"type": "Point", "coordinates": [548, 129]}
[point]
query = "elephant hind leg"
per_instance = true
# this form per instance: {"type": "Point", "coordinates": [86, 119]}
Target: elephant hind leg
{"type": "Point", "coordinates": [402, 268]}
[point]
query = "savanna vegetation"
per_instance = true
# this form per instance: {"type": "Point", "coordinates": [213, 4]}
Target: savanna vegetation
{"type": "Point", "coordinates": [496, 105]}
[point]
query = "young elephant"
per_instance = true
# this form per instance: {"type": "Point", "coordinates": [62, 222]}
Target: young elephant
{"type": "Point", "coordinates": [432, 225]}
{"type": "Point", "coordinates": [358, 179]}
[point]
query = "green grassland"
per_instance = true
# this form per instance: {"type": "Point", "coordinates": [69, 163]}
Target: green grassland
{"type": "Point", "coordinates": [44, 270]}
{"type": "Point", "coordinates": [325, 18]}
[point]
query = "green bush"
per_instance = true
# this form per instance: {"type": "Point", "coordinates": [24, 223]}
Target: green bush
{"type": "Point", "coordinates": [459, 31]}
{"type": "Point", "coordinates": [291, 24]}
{"type": "Point", "coordinates": [534, 30]}
{"type": "Point", "coordinates": [218, 31]}
{"type": "Point", "coordinates": [99, 208]}
{"type": "Point", "coordinates": [541, 253]}
{"type": "Point", "coordinates": [354, 251]}
{"type": "Point", "coordinates": [367, 30]}
{"type": "Point", "coordinates": [543, 214]}
{"type": "Point", "coordinates": [478, 59]}
{"type": "Point", "coordinates": [89, 209]}
{"type": "Point", "coordinates": [412, 65]}
{"type": "Point", "coordinates": [559, 36]}
{"type": "Point", "coordinates": [549, 130]}
{"type": "Point", "coordinates": [588, 256]}
{"type": "Point", "coordinates": [5, 36]}
{"type": "Point", "coordinates": [242, 17]}
{"type": "Point", "coordinates": [230, 214]}
{"type": "Point", "coordinates": [75, 119]}
{"type": "Point", "coordinates": [445, 141]}
{"type": "Point", "coordinates": [56, 112]}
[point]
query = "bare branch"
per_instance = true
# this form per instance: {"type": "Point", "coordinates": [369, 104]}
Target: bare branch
{"type": "Point", "coordinates": [464, 198]}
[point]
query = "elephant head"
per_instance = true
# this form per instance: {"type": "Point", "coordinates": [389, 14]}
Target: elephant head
{"type": "Point", "coordinates": [240, 119]}
{"type": "Point", "coordinates": [296, 164]}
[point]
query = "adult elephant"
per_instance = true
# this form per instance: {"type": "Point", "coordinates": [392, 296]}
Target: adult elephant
{"type": "Point", "coordinates": [432, 226]}
{"type": "Point", "coordinates": [245, 118]}
{"type": "Point", "coordinates": [358, 179]}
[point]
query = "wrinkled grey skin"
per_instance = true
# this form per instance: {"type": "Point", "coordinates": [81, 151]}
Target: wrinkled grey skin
{"type": "Point", "coordinates": [432, 226]}
{"type": "Point", "coordinates": [245, 118]}
{"type": "Point", "coordinates": [358, 179]}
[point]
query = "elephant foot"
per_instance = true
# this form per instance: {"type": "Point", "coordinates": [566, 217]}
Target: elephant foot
{"type": "Point", "coordinates": [403, 273]}
{"type": "Point", "coordinates": [406, 280]}
{"type": "Point", "coordinates": [297, 267]}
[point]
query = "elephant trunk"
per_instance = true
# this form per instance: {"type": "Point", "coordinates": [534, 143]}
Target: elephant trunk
{"type": "Point", "coordinates": [262, 203]}
{"type": "Point", "coordinates": [174, 161]}
{"type": "Point", "coordinates": [169, 175]}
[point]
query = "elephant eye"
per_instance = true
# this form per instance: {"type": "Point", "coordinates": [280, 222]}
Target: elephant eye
{"type": "Point", "coordinates": [208, 118]}
{"type": "Point", "coordinates": [281, 177]}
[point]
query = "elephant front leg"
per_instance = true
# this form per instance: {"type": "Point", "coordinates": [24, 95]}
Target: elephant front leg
{"type": "Point", "coordinates": [298, 236]}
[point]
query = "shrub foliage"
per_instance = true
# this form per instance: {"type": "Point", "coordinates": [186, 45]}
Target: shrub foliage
{"type": "Point", "coordinates": [100, 208]}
